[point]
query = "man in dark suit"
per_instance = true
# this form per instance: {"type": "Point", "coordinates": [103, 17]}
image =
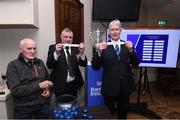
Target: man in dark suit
{"type": "Point", "coordinates": [117, 61]}
{"type": "Point", "coordinates": [64, 62]}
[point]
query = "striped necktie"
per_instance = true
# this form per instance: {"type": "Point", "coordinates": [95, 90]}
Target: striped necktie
{"type": "Point", "coordinates": [69, 62]}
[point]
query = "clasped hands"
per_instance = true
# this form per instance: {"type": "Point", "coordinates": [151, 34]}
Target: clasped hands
{"type": "Point", "coordinates": [46, 85]}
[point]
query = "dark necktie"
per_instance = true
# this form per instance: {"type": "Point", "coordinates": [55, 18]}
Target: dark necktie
{"type": "Point", "coordinates": [30, 62]}
{"type": "Point", "coordinates": [69, 62]}
{"type": "Point", "coordinates": [34, 68]}
{"type": "Point", "coordinates": [117, 49]}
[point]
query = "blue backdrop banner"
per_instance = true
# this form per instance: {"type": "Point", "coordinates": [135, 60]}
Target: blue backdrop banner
{"type": "Point", "coordinates": [94, 81]}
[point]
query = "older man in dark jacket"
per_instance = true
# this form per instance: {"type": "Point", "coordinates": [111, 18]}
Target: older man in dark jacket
{"type": "Point", "coordinates": [28, 81]}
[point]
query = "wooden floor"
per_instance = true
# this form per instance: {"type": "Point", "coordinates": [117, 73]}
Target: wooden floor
{"type": "Point", "coordinates": [164, 104]}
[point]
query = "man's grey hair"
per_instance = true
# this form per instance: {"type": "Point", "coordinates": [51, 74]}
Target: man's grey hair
{"type": "Point", "coordinates": [116, 21]}
{"type": "Point", "coordinates": [66, 30]}
{"type": "Point", "coordinates": [25, 41]}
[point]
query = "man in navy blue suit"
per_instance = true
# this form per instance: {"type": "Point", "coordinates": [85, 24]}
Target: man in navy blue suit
{"type": "Point", "coordinates": [117, 61]}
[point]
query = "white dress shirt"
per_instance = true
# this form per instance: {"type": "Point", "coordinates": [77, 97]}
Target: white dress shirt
{"type": "Point", "coordinates": [69, 78]}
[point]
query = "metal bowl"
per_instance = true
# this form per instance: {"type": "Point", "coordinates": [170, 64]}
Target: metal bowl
{"type": "Point", "coordinates": [66, 101]}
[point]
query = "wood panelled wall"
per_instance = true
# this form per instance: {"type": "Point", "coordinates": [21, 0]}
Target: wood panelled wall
{"type": "Point", "coordinates": [69, 13]}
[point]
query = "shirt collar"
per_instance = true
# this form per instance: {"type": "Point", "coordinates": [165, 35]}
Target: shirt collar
{"type": "Point", "coordinates": [21, 58]}
{"type": "Point", "coordinates": [65, 47]}
{"type": "Point", "coordinates": [29, 61]}
{"type": "Point", "coordinates": [116, 42]}
{"type": "Point", "coordinates": [68, 49]}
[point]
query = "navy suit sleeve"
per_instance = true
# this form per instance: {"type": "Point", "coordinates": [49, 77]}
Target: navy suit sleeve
{"type": "Point", "coordinates": [51, 62]}
{"type": "Point", "coordinates": [83, 63]}
{"type": "Point", "coordinates": [96, 61]}
{"type": "Point", "coordinates": [134, 59]}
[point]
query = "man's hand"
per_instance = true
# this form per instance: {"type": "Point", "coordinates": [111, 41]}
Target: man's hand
{"type": "Point", "coordinates": [58, 47]}
{"type": "Point", "coordinates": [102, 46]}
{"type": "Point", "coordinates": [46, 93]}
{"type": "Point", "coordinates": [45, 84]}
{"type": "Point", "coordinates": [81, 48]}
{"type": "Point", "coordinates": [129, 46]}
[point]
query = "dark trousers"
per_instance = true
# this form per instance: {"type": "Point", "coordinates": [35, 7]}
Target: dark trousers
{"type": "Point", "coordinates": [35, 111]}
{"type": "Point", "coordinates": [70, 88]}
{"type": "Point", "coordinates": [122, 102]}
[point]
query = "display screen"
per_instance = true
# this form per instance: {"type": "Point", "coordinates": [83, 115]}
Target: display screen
{"type": "Point", "coordinates": [124, 10]}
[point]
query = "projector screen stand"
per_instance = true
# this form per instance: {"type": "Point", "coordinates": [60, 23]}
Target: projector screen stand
{"type": "Point", "coordinates": [141, 107]}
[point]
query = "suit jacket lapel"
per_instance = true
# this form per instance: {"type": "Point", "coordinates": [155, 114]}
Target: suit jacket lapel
{"type": "Point", "coordinates": [111, 47]}
{"type": "Point", "coordinates": [64, 57]}
{"type": "Point", "coordinates": [73, 55]}
{"type": "Point", "coordinates": [122, 52]}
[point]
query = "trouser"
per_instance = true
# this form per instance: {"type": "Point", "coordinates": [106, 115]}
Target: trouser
{"type": "Point", "coordinates": [41, 111]}
{"type": "Point", "coordinates": [122, 101]}
{"type": "Point", "coordinates": [70, 88]}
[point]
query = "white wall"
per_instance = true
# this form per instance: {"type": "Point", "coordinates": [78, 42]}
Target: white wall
{"type": "Point", "coordinates": [87, 25]}
{"type": "Point", "coordinates": [46, 32]}
{"type": "Point", "coordinates": [45, 35]}
{"type": "Point", "coordinates": [17, 11]}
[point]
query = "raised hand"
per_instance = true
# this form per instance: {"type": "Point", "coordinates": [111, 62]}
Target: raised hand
{"type": "Point", "coordinates": [58, 47]}
{"type": "Point", "coordinates": [129, 45]}
{"type": "Point", "coordinates": [81, 48]}
{"type": "Point", "coordinates": [102, 46]}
